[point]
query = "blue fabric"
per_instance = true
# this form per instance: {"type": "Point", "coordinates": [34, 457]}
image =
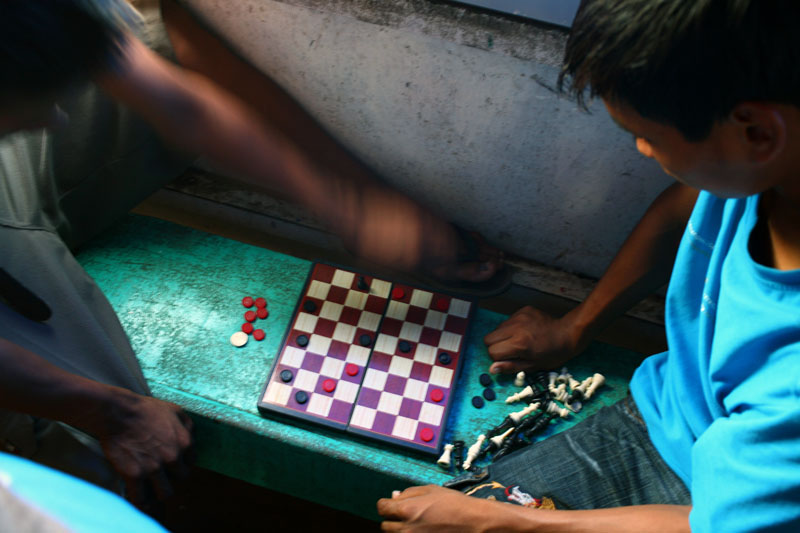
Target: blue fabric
{"type": "Point", "coordinates": [78, 505]}
{"type": "Point", "coordinates": [721, 406]}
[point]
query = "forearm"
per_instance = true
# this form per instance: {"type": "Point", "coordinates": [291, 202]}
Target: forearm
{"type": "Point", "coordinates": [633, 519]}
{"type": "Point", "coordinates": [642, 265]}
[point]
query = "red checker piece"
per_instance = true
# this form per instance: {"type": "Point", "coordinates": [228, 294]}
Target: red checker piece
{"type": "Point", "coordinates": [442, 304]}
{"type": "Point", "coordinates": [259, 334]}
{"type": "Point", "coordinates": [261, 303]}
{"type": "Point", "coordinates": [262, 312]}
{"type": "Point", "coordinates": [426, 434]}
{"type": "Point", "coordinates": [351, 369]}
{"type": "Point", "coordinates": [250, 316]}
{"type": "Point", "coordinates": [247, 327]}
{"type": "Point", "coordinates": [328, 385]}
{"type": "Point", "coordinates": [247, 301]}
{"type": "Point", "coordinates": [436, 394]}
{"type": "Point", "coordinates": [398, 293]}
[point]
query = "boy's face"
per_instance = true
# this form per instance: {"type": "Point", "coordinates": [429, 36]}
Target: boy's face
{"type": "Point", "coordinates": [715, 164]}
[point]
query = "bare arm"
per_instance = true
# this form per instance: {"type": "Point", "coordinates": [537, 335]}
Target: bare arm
{"type": "Point", "coordinates": [436, 509]}
{"type": "Point", "coordinates": [532, 339]}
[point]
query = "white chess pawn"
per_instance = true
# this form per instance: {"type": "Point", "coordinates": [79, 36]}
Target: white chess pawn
{"type": "Point", "coordinates": [444, 460]}
{"type": "Point", "coordinates": [519, 381]}
{"type": "Point", "coordinates": [597, 381]}
{"type": "Point", "coordinates": [498, 440]}
{"type": "Point", "coordinates": [554, 409]}
{"type": "Point", "coordinates": [561, 392]}
{"type": "Point", "coordinates": [519, 415]}
{"type": "Point", "coordinates": [473, 452]}
{"type": "Point", "coordinates": [524, 393]}
{"type": "Point", "coordinates": [573, 383]}
{"type": "Point", "coordinates": [552, 377]}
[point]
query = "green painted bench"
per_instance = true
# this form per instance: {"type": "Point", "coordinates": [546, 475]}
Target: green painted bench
{"type": "Point", "coordinates": [178, 294]}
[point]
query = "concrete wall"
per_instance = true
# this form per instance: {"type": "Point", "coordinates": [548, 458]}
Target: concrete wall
{"type": "Point", "coordinates": [457, 107]}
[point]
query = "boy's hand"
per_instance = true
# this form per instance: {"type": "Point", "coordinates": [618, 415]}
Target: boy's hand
{"type": "Point", "coordinates": [532, 340]}
{"type": "Point", "coordinates": [434, 509]}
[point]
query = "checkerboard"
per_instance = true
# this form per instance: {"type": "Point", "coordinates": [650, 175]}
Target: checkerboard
{"type": "Point", "coordinates": [370, 357]}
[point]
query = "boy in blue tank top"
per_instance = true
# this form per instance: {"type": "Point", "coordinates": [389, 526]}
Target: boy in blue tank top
{"type": "Point", "coordinates": [710, 438]}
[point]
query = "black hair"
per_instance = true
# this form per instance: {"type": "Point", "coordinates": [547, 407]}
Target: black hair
{"type": "Point", "coordinates": [46, 45]}
{"type": "Point", "coordinates": [685, 63]}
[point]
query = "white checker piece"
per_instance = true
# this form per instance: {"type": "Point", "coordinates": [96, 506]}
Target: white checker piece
{"type": "Point", "coordinates": [441, 377]}
{"type": "Point", "coordinates": [369, 321]}
{"type": "Point", "coordinates": [358, 355]}
{"type": "Point", "coordinates": [397, 310]}
{"type": "Point", "coordinates": [459, 308]}
{"type": "Point", "coordinates": [345, 391]}
{"type": "Point", "coordinates": [320, 405]}
{"type": "Point", "coordinates": [390, 403]}
{"type": "Point", "coordinates": [400, 366]}
{"type": "Point", "coordinates": [319, 289]}
{"type": "Point", "coordinates": [415, 389]}
{"type": "Point", "coordinates": [380, 288]}
{"type": "Point", "coordinates": [421, 298]}
{"type": "Point", "coordinates": [405, 428]}
{"type": "Point", "coordinates": [306, 380]}
{"type": "Point", "coordinates": [319, 344]}
{"type": "Point", "coordinates": [356, 299]}
{"type": "Point", "coordinates": [277, 393]}
{"type": "Point", "coordinates": [411, 331]}
{"type": "Point", "coordinates": [293, 357]}
{"type": "Point", "coordinates": [435, 319]}
{"type": "Point", "coordinates": [344, 333]}
{"type": "Point", "coordinates": [331, 311]}
{"type": "Point", "coordinates": [343, 278]}
{"type": "Point", "coordinates": [386, 343]}
{"type": "Point", "coordinates": [374, 379]}
{"type": "Point", "coordinates": [450, 341]}
{"type": "Point", "coordinates": [332, 367]}
{"type": "Point", "coordinates": [431, 414]}
{"type": "Point", "coordinates": [305, 323]}
{"type": "Point", "coordinates": [362, 417]}
{"type": "Point", "coordinates": [425, 354]}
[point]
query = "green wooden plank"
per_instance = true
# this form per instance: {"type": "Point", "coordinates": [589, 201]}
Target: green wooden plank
{"type": "Point", "coordinates": [178, 294]}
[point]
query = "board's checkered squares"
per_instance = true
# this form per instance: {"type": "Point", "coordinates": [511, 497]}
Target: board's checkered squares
{"type": "Point", "coordinates": [391, 397]}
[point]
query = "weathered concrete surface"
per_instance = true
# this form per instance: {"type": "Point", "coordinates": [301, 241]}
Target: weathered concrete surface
{"type": "Point", "coordinates": [459, 108]}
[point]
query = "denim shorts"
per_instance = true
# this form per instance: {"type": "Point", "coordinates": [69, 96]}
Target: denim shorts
{"type": "Point", "coordinates": [605, 461]}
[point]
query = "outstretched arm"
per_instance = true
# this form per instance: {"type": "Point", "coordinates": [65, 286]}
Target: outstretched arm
{"type": "Point", "coordinates": [436, 509]}
{"type": "Point", "coordinates": [532, 339]}
{"type": "Point", "coordinates": [144, 439]}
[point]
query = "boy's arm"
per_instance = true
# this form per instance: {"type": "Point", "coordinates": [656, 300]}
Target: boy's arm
{"type": "Point", "coordinates": [431, 509]}
{"type": "Point", "coordinates": [194, 114]}
{"type": "Point", "coordinates": [532, 339]}
{"type": "Point", "coordinates": [141, 436]}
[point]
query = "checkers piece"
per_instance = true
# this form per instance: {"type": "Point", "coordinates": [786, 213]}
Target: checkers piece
{"type": "Point", "coordinates": [302, 341]}
{"type": "Point", "coordinates": [365, 340]}
{"type": "Point", "coordinates": [437, 395]}
{"type": "Point", "coordinates": [261, 303]}
{"type": "Point", "coordinates": [351, 369]}
{"type": "Point", "coordinates": [301, 396]}
{"type": "Point", "coordinates": [404, 346]}
{"type": "Point", "coordinates": [287, 375]}
{"type": "Point", "coordinates": [250, 316]}
{"type": "Point", "coordinates": [239, 339]}
{"type": "Point", "coordinates": [329, 385]}
{"type": "Point", "coordinates": [398, 293]}
{"type": "Point", "coordinates": [362, 284]}
{"type": "Point", "coordinates": [489, 394]}
{"type": "Point", "coordinates": [426, 434]}
{"type": "Point", "coordinates": [247, 301]}
{"type": "Point", "coordinates": [259, 334]}
{"type": "Point", "coordinates": [442, 304]}
{"type": "Point", "coordinates": [309, 306]}
{"type": "Point", "coordinates": [445, 359]}
{"type": "Point", "coordinates": [485, 379]}
{"type": "Point", "coordinates": [262, 312]}
{"type": "Point", "coordinates": [477, 402]}
{"type": "Point", "coordinates": [247, 327]}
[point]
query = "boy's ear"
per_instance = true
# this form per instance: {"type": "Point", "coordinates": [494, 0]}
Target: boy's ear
{"type": "Point", "coordinates": [762, 129]}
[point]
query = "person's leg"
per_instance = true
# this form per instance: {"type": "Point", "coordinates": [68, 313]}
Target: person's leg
{"type": "Point", "coordinates": [605, 461]}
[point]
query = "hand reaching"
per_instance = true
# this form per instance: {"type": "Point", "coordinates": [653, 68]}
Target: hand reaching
{"type": "Point", "coordinates": [532, 340]}
{"type": "Point", "coordinates": [435, 509]}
